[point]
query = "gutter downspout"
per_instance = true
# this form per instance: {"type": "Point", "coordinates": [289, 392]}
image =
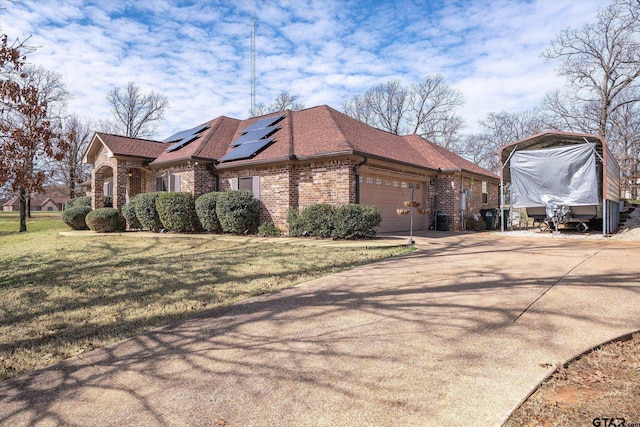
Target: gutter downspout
{"type": "Point", "coordinates": [356, 173]}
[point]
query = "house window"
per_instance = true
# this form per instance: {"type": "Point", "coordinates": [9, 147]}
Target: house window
{"type": "Point", "coordinates": [249, 183]}
{"type": "Point", "coordinates": [378, 181]}
{"type": "Point", "coordinates": [403, 184]}
{"type": "Point", "coordinates": [396, 184]}
{"type": "Point", "coordinates": [160, 184]}
{"type": "Point", "coordinates": [485, 193]}
{"type": "Point", "coordinates": [170, 183]}
{"type": "Point", "coordinates": [107, 188]}
{"type": "Point", "coordinates": [369, 180]}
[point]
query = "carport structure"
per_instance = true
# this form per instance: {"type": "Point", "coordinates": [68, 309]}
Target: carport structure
{"type": "Point", "coordinates": [548, 175]}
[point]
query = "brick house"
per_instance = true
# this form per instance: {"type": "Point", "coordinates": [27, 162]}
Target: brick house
{"type": "Point", "coordinates": [39, 202]}
{"type": "Point", "coordinates": [293, 159]}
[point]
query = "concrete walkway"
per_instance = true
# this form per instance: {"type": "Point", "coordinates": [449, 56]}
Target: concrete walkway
{"type": "Point", "coordinates": [457, 333]}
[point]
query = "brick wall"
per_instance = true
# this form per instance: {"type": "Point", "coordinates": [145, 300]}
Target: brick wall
{"type": "Point", "coordinates": [275, 192]}
{"type": "Point", "coordinates": [448, 189]}
{"type": "Point", "coordinates": [298, 185]}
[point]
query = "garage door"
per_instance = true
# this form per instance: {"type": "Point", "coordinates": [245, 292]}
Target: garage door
{"type": "Point", "coordinates": [388, 194]}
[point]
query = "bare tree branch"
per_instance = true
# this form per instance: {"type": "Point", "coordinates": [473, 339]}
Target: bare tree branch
{"type": "Point", "coordinates": [135, 113]}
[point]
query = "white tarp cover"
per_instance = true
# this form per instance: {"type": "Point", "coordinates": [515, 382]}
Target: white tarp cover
{"type": "Point", "coordinates": [554, 177]}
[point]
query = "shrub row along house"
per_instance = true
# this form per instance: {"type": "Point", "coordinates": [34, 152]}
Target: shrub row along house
{"type": "Point", "coordinates": [293, 159]}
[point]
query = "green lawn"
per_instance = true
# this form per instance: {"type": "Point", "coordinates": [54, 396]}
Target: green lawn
{"type": "Point", "coordinates": [62, 296]}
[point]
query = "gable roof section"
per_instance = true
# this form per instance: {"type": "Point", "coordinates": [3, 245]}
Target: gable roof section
{"type": "Point", "coordinates": [123, 146]}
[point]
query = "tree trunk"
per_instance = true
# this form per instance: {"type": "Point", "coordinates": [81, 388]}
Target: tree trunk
{"type": "Point", "coordinates": [23, 210]}
{"type": "Point", "coordinates": [71, 185]}
{"type": "Point", "coordinates": [28, 198]}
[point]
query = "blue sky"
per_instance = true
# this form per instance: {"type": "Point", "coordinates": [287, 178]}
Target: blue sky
{"type": "Point", "coordinates": [198, 52]}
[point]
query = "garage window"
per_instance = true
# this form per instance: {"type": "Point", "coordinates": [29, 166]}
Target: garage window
{"type": "Point", "coordinates": [378, 181]}
{"type": "Point", "coordinates": [369, 180]}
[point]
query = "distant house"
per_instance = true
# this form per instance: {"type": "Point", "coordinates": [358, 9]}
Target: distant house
{"type": "Point", "coordinates": [293, 159]}
{"type": "Point", "coordinates": [39, 202]}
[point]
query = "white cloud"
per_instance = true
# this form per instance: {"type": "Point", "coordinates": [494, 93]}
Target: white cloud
{"type": "Point", "coordinates": [323, 51]}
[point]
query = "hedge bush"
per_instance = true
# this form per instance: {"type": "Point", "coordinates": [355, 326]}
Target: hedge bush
{"type": "Point", "coordinates": [145, 206]}
{"type": "Point", "coordinates": [238, 211]}
{"type": "Point", "coordinates": [294, 220]}
{"type": "Point", "coordinates": [177, 211]}
{"type": "Point", "coordinates": [75, 217]}
{"type": "Point", "coordinates": [268, 230]}
{"type": "Point", "coordinates": [105, 220]}
{"type": "Point", "coordinates": [78, 201]}
{"type": "Point", "coordinates": [206, 211]}
{"type": "Point", "coordinates": [356, 222]}
{"type": "Point", "coordinates": [317, 220]}
{"type": "Point", "coordinates": [129, 214]}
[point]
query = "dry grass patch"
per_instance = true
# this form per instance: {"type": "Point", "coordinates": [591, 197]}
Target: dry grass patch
{"type": "Point", "coordinates": [604, 383]}
{"type": "Point", "coordinates": [62, 296]}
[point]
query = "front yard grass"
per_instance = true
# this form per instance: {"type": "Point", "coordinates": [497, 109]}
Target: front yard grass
{"type": "Point", "coordinates": [63, 296]}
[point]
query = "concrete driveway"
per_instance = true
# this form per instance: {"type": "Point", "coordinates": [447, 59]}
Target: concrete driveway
{"type": "Point", "coordinates": [457, 333]}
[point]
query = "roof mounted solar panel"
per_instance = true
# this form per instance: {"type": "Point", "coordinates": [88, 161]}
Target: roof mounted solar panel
{"type": "Point", "coordinates": [263, 123]}
{"type": "Point", "coordinates": [247, 150]}
{"type": "Point", "coordinates": [184, 137]}
{"type": "Point", "coordinates": [255, 135]}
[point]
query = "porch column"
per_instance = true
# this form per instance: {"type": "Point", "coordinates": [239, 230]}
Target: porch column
{"type": "Point", "coordinates": [120, 178]}
{"type": "Point", "coordinates": [97, 190]}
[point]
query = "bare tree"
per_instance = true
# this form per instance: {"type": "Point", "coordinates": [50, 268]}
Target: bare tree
{"type": "Point", "coordinates": [27, 137]}
{"type": "Point", "coordinates": [624, 140]}
{"type": "Point", "coordinates": [70, 170]}
{"type": "Point", "coordinates": [602, 60]}
{"type": "Point", "coordinates": [562, 113]}
{"type": "Point", "coordinates": [426, 108]}
{"type": "Point", "coordinates": [136, 114]}
{"type": "Point", "coordinates": [500, 129]}
{"type": "Point", "coordinates": [282, 102]}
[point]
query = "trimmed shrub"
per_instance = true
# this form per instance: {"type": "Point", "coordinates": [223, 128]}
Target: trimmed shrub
{"type": "Point", "coordinates": [145, 206]}
{"type": "Point", "coordinates": [317, 220]}
{"type": "Point", "coordinates": [129, 214]}
{"type": "Point", "coordinates": [177, 211]}
{"type": "Point", "coordinates": [75, 217]}
{"type": "Point", "coordinates": [238, 211]}
{"type": "Point", "coordinates": [294, 220]}
{"type": "Point", "coordinates": [206, 211]}
{"type": "Point", "coordinates": [78, 201]}
{"type": "Point", "coordinates": [108, 202]}
{"type": "Point", "coordinates": [105, 220]}
{"type": "Point", "coordinates": [268, 230]}
{"type": "Point", "coordinates": [356, 222]}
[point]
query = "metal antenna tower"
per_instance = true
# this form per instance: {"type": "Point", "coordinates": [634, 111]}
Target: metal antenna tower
{"type": "Point", "coordinates": [253, 59]}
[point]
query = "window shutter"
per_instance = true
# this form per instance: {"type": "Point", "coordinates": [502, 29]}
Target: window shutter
{"type": "Point", "coordinates": [256, 187]}
{"type": "Point", "coordinates": [174, 183]}
{"type": "Point", "coordinates": [233, 183]}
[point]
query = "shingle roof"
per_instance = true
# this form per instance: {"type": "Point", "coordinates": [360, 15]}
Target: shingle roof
{"type": "Point", "coordinates": [134, 147]}
{"type": "Point", "coordinates": [38, 200]}
{"type": "Point", "coordinates": [314, 132]}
